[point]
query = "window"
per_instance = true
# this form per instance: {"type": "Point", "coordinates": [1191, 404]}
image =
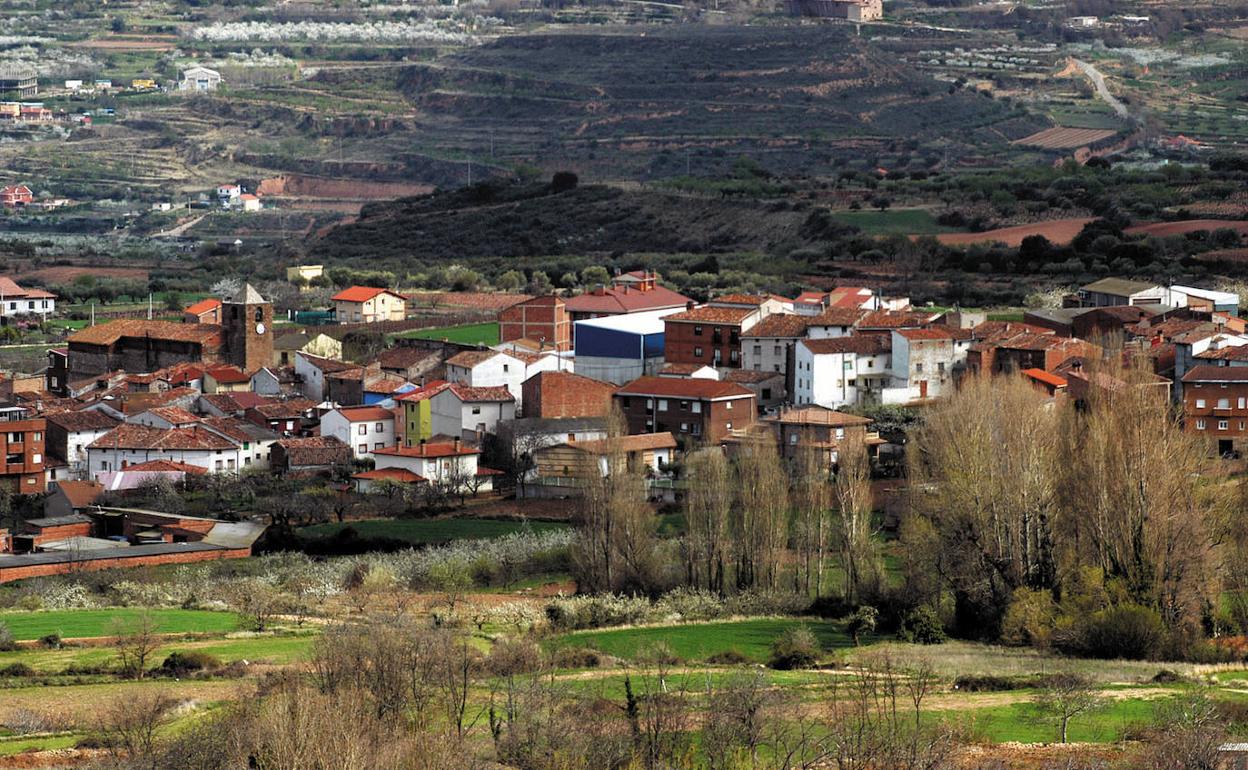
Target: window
{"type": "Point", "coordinates": [697, 407]}
{"type": "Point", "coordinates": [775, 367]}
{"type": "Point", "coordinates": [15, 438]}
{"type": "Point", "coordinates": [218, 465]}
{"type": "Point", "coordinates": [697, 331]}
{"type": "Point", "coordinates": [476, 410]}
{"type": "Point", "coordinates": [36, 458]}
{"type": "Point", "coordinates": [684, 427]}
{"type": "Point", "coordinates": [777, 351]}
{"type": "Point", "coordinates": [728, 425]}
{"type": "Point", "coordinates": [624, 404]}
{"type": "Point", "coordinates": [379, 445]}
{"type": "Point", "coordinates": [697, 429]}
{"type": "Point", "coordinates": [728, 405]}
{"type": "Point", "coordinates": [758, 350]}
{"type": "Point", "coordinates": [230, 463]}
{"type": "Point", "coordinates": [1224, 403]}
{"type": "Point", "coordinates": [1200, 425]}
{"type": "Point", "coordinates": [792, 438]}
{"type": "Point", "coordinates": [362, 430]}
{"type": "Point", "coordinates": [733, 356]}
{"type": "Point", "coordinates": [840, 433]}
{"type": "Point", "coordinates": [1241, 402]}
{"type": "Point", "coordinates": [767, 394]}
{"type": "Point", "coordinates": [940, 367]}
{"type": "Point", "coordinates": [36, 436]}
{"type": "Point", "coordinates": [506, 367]}
{"type": "Point", "coordinates": [918, 368]}
{"type": "Point", "coordinates": [684, 406]}
{"type": "Point", "coordinates": [662, 404]}
{"type": "Point", "coordinates": [1200, 403]}
{"type": "Point", "coordinates": [363, 448]}
{"type": "Point", "coordinates": [246, 461]}
{"type": "Point", "coordinates": [848, 365]}
{"type": "Point", "coordinates": [697, 352]}
{"type": "Point", "coordinates": [1223, 425]}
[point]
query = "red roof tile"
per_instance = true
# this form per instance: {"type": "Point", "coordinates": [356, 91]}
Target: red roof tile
{"type": "Point", "coordinates": [683, 387]}
{"type": "Point", "coordinates": [397, 475]}
{"type": "Point", "coordinates": [131, 436]}
{"type": "Point", "coordinates": [860, 344]}
{"type": "Point", "coordinates": [469, 394]}
{"type": "Point", "coordinates": [616, 300]}
{"type": "Point", "coordinates": [1215, 373]}
{"type": "Point", "coordinates": [1047, 378]}
{"type": "Point", "coordinates": [707, 314]}
{"type": "Point", "coordinates": [167, 466]}
{"type": "Point", "coordinates": [428, 450]}
{"type": "Point", "coordinates": [362, 294]}
{"type": "Point", "coordinates": [779, 325]}
{"type": "Point", "coordinates": [366, 413]}
{"type": "Point", "coordinates": [203, 306]}
{"type": "Point", "coordinates": [108, 333]}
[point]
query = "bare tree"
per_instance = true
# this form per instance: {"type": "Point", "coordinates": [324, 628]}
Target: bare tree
{"type": "Point", "coordinates": [760, 522]}
{"type": "Point", "coordinates": [708, 507]}
{"type": "Point", "coordinates": [136, 641]}
{"type": "Point", "coordinates": [812, 499]}
{"type": "Point", "coordinates": [1065, 697]}
{"type": "Point", "coordinates": [130, 726]}
{"type": "Point", "coordinates": [854, 506]}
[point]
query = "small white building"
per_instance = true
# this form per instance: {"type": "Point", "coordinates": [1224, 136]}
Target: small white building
{"type": "Point", "coordinates": [842, 371]}
{"type": "Point", "coordinates": [923, 364]}
{"type": "Point", "coordinates": [15, 300]}
{"type": "Point", "coordinates": [450, 462]}
{"type": "Point", "coordinates": [311, 371]}
{"type": "Point", "coordinates": [365, 429]}
{"type": "Point", "coordinates": [496, 369]}
{"type": "Point", "coordinates": [131, 444]}
{"type": "Point", "coordinates": [199, 79]}
{"type": "Point", "coordinates": [467, 412]}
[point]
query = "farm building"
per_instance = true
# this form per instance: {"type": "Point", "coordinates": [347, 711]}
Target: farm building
{"type": "Point", "coordinates": [199, 79]}
{"type": "Point", "coordinates": [850, 10]}
{"type": "Point", "coordinates": [622, 348]}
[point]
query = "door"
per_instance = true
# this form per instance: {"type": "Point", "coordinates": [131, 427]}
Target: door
{"type": "Point", "coordinates": [922, 388]}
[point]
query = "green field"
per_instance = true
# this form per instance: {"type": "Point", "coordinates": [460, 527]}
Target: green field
{"type": "Point", "coordinates": [697, 641]}
{"type": "Point", "coordinates": [892, 222]}
{"type": "Point", "coordinates": [278, 650]}
{"type": "Point", "coordinates": [432, 531]}
{"type": "Point", "coordinates": [1024, 723]}
{"type": "Point", "coordinates": [76, 624]}
{"type": "Point", "coordinates": [468, 334]}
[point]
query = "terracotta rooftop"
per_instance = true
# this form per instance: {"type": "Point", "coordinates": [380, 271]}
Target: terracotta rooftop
{"type": "Point", "coordinates": [430, 390]}
{"type": "Point", "coordinates": [779, 325]}
{"type": "Point", "coordinates": [836, 316]}
{"type": "Point", "coordinates": [227, 375]}
{"type": "Point", "coordinates": [81, 493]}
{"type": "Point", "coordinates": [174, 415]}
{"type": "Point", "coordinates": [1048, 378]}
{"type": "Point", "coordinates": [637, 443]}
{"type": "Point", "coordinates": [1214, 373]}
{"type": "Point", "coordinates": [428, 450]}
{"type": "Point", "coordinates": [276, 410]}
{"type": "Point", "coordinates": [618, 299]}
{"type": "Point", "coordinates": [403, 356]}
{"type": "Point", "coordinates": [203, 306]}
{"type": "Point", "coordinates": [112, 331]}
{"type": "Point", "coordinates": [366, 413]}
{"type": "Point", "coordinates": [83, 420]}
{"type": "Point", "coordinates": [684, 387]}
{"type": "Point", "coordinates": [167, 466]}
{"type": "Point", "coordinates": [889, 319]}
{"type": "Point", "coordinates": [749, 376]}
{"type": "Point", "coordinates": [1228, 353]}
{"type": "Point", "coordinates": [130, 436]}
{"type": "Point", "coordinates": [471, 358]}
{"type": "Point", "coordinates": [753, 300]}
{"type": "Point", "coordinates": [327, 364]}
{"type": "Point", "coordinates": [715, 315]}
{"type": "Point", "coordinates": [10, 290]}
{"type": "Point", "coordinates": [313, 451]}
{"type": "Point", "coordinates": [861, 344]}
{"type": "Point", "coordinates": [397, 475]}
{"type": "Point", "coordinates": [920, 335]}
{"type": "Point", "coordinates": [817, 415]}
{"type": "Point", "coordinates": [362, 294]}
{"type": "Point", "coordinates": [683, 369]}
{"type": "Point", "coordinates": [470, 394]}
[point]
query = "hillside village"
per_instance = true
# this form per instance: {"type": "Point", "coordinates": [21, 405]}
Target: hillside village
{"type": "Point", "coordinates": [129, 403]}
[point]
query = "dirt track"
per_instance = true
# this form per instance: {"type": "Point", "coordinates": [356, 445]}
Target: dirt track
{"type": "Point", "coordinates": [1058, 231]}
{"type": "Point", "coordinates": [1161, 229]}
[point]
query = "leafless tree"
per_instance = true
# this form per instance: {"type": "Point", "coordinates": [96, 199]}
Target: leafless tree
{"type": "Point", "coordinates": [854, 506]}
{"type": "Point", "coordinates": [130, 726]}
{"type": "Point", "coordinates": [760, 522]}
{"type": "Point", "coordinates": [1066, 696]}
{"type": "Point", "coordinates": [812, 500]}
{"type": "Point", "coordinates": [136, 641]}
{"type": "Point", "coordinates": [708, 507]}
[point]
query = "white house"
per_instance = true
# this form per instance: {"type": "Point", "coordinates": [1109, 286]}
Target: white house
{"type": "Point", "coordinates": [923, 364]}
{"type": "Point", "coordinates": [131, 444]}
{"type": "Point", "coordinates": [842, 371]}
{"type": "Point", "coordinates": [199, 79]}
{"type": "Point", "coordinates": [70, 433]}
{"type": "Point", "coordinates": [468, 412]}
{"type": "Point", "coordinates": [832, 323]}
{"type": "Point", "coordinates": [448, 462]}
{"type": "Point", "coordinates": [14, 300]}
{"type": "Point", "coordinates": [365, 429]}
{"type": "Point", "coordinates": [494, 369]}
{"type": "Point", "coordinates": [310, 371]}
{"type": "Point", "coordinates": [164, 417]}
{"type": "Point", "coordinates": [228, 192]}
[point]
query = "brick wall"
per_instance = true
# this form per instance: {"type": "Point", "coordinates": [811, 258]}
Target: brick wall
{"type": "Point", "coordinates": [552, 395]}
{"type": "Point", "coordinates": [689, 343]}
{"type": "Point", "coordinates": [8, 574]}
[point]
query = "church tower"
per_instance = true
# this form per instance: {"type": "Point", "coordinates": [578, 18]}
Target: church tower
{"type": "Point", "coordinates": [248, 321]}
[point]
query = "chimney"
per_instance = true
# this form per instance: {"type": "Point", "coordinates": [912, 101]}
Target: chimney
{"type": "Point", "coordinates": [689, 305]}
{"type": "Point", "coordinates": [457, 443]}
{"type": "Point", "coordinates": [422, 447]}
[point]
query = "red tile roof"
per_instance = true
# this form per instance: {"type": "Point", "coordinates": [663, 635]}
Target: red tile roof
{"type": "Point", "coordinates": [397, 475]}
{"type": "Point", "coordinates": [616, 300]}
{"type": "Point", "coordinates": [862, 344]}
{"type": "Point", "coordinates": [203, 306]}
{"type": "Point", "coordinates": [817, 415]}
{"type": "Point", "coordinates": [86, 419]}
{"type": "Point", "coordinates": [366, 413]}
{"type": "Point", "coordinates": [470, 358]}
{"type": "Point", "coordinates": [918, 335]}
{"type": "Point", "coordinates": [227, 375]}
{"type": "Point", "coordinates": [470, 394]}
{"type": "Point", "coordinates": [1228, 353]}
{"type": "Point", "coordinates": [81, 493]}
{"type": "Point", "coordinates": [108, 333]}
{"type": "Point", "coordinates": [167, 466]}
{"type": "Point", "coordinates": [707, 314]}
{"type": "Point", "coordinates": [362, 294]}
{"type": "Point", "coordinates": [1048, 378]}
{"type": "Point", "coordinates": [428, 450]}
{"type": "Point", "coordinates": [836, 316]}
{"type": "Point", "coordinates": [753, 300]}
{"type": "Point", "coordinates": [779, 325]}
{"type": "Point", "coordinates": [131, 436]}
{"type": "Point", "coordinates": [175, 415]}
{"type": "Point", "coordinates": [683, 387]}
{"type": "Point", "coordinates": [1215, 373]}
{"type": "Point", "coordinates": [430, 390]}
{"type": "Point", "coordinates": [889, 319]}
{"type": "Point", "coordinates": [637, 443]}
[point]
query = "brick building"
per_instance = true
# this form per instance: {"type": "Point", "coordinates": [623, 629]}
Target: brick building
{"type": "Point", "coordinates": [243, 338]}
{"type": "Point", "coordinates": [634, 292]}
{"type": "Point", "coordinates": [690, 409]}
{"type": "Point", "coordinates": [564, 394]}
{"type": "Point", "coordinates": [707, 335]}
{"type": "Point", "coordinates": [22, 443]}
{"type": "Point", "coordinates": [544, 320]}
{"type": "Point", "coordinates": [1215, 405]}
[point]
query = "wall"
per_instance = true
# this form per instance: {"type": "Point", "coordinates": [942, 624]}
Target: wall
{"type": "Point", "coordinates": [717, 345]}
{"type": "Point", "coordinates": [8, 574]}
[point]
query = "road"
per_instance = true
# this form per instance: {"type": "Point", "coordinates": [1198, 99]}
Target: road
{"type": "Point", "coordinates": [177, 232]}
{"type": "Point", "coordinates": [1098, 82]}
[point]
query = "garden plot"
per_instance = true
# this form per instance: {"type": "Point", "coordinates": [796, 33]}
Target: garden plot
{"type": "Point", "coordinates": [1061, 138]}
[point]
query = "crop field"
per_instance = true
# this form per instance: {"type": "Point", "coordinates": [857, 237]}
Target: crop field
{"type": "Point", "coordinates": [468, 334]}
{"type": "Point", "coordinates": [1065, 138]}
{"type": "Point", "coordinates": [698, 641]}
{"type": "Point", "coordinates": [1162, 229]}
{"type": "Point", "coordinates": [77, 624]}
{"type": "Point", "coordinates": [431, 531]}
{"type": "Point", "coordinates": [1058, 231]}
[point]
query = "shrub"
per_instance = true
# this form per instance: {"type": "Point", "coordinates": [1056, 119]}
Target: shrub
{"type": "Point", "coordinates": [922, 626]}
{"type": "Point", "coordinates": [51, 641]}
{"type": "Point", "coordinates": [797, 647]}
{"type": "Point", "coordinates": [1029, 618]}
{"type": "Point", "coordinates": [863, 621]}
{"type": "Point", "coordinates": [1125, 631]}
{"type": "Point", "coordinates": [984, 683]}
{"type": "Point", "coordinates": [17, 669]}
{"type": "Point", "coordinates": [727, 658]}
{"type": "Point", "coordinates": [581, 657]}
{"type": "Point", "coordinates": [7, 642]}
{"type": "Point", "coordinates": [183, 663]}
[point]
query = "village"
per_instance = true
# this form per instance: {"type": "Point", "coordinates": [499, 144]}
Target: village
{"type": "Point", "coordinates": [129, 403]}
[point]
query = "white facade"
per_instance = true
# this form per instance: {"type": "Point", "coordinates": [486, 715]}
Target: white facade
{"type": "Point", "coordinates": [452, 416]}
{"type": "Point", "coordinates": [364, 429]}
{"type": "Point", "coordinates": [505, 370]}
{"type": "Point", "coordinates": [766, 354]}
{"type": "Point", "coordinates": [157, 420]}
{"type": "Point", "coordinates": [76, 450]}
{"type": "Point", "coordinates": [834, 380]}
{"type": "Point", "coordinates": [310, 376]}
{"type": "Point", "coordinates": [439, 462]}
{"type": "Point", "coordinates": [107, 459]}
{"type": "Point", "coordinates": [44, 306]}
{"type": "Point", "coordinates": [199, 79]}
{"type": "Point", "coordinates": [922, 368]}
{"type": "Point", "coordinates": [816, 331]}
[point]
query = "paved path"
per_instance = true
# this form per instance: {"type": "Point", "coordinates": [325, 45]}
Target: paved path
{"type": "Point", "coordinates": [1098, 82]}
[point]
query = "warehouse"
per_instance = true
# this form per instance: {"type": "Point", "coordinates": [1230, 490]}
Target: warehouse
{"type": "Point", "coordinates": [621, 348]}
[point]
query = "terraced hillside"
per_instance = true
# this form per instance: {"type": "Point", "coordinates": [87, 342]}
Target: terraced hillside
{"type": "Point", "coordinates": [655, 102]}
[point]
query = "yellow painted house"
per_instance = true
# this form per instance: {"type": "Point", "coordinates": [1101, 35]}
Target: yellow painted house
{"type": "Point", "coordinates": [418, 413]}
